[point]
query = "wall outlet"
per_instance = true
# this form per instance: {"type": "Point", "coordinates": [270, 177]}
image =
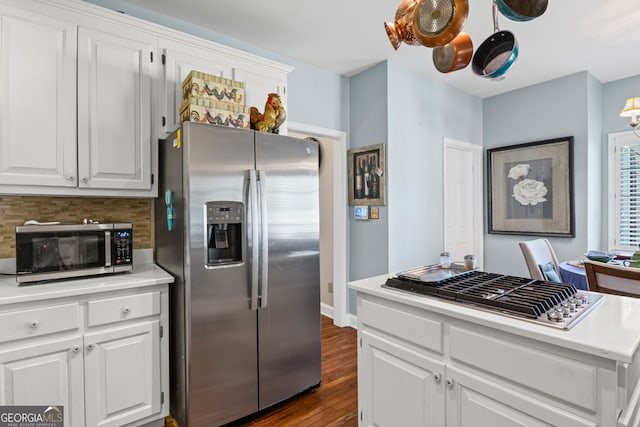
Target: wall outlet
{"type": "Point", "coordinates": [330, 287]}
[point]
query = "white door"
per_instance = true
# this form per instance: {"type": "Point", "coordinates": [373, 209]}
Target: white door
{"type": "Point", "coordinates": [463, 200]}
{"type": "Point", "coordinates": [122, 374]}
{"type": "Point", "coordinates": [398, 386]}
{"type": "Point", "coordinates": [47, 373]}
{"type": "Point", "coordinates": [37, 100]}
{"type": "Point", "coordinates": [114, 107]}
{"type": "Point", "coordinates": [179, 60]}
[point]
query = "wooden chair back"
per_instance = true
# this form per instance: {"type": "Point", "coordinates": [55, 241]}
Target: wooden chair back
{"type": "Point", "coordinates": [613, 279]}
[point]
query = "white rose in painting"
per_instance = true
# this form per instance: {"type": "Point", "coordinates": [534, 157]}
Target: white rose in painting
{"type": "Point", "coordinates": [530, 192]}
{"type": "Point", "coordinates": [519, 171]}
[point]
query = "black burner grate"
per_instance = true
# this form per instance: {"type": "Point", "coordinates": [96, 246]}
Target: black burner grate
{"type": "Point", "coordinates": [516, 295]}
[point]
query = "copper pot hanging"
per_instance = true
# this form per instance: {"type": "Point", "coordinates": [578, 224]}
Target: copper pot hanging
{"type": "Point", "coordinates": [401, 30]}
{"type": "Point", "coordinates": [437, 22]}
{"type": "Point", "coordinates": [454, 55]}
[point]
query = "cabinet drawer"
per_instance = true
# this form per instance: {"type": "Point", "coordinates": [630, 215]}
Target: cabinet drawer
{"type": "Point", "coordinates": [117, 309]}
{"type": "Point", "coordinates": [570, 380]}
{"type": "Point", "coordinates": [38, 321]}
{"type": "Point", "coordinates": [402, 324]}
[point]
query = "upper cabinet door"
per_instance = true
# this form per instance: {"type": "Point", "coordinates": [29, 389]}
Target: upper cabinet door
{"type": "Point", "coordinates": [115, 70]}
{"type": "Point", "coordinates": [37, 99]}
{"type": "Point", "coordinates": [180, 59]}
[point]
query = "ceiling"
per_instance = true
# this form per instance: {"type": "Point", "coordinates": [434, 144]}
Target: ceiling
{"type": "Point", "coordinates": [348, 36]}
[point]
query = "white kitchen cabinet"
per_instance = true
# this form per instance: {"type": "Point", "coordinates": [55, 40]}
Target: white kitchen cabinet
{"type": "Point", "coordinates": [122, 383]}
{"type": "Point", "coordinates": [261, 81]}
{"type": "Point", "coordinates": [37, 99]}
{"type": "Point", "coordinates": [115, 70]}
{"type": "Point", "coordinates": [475, 401]}
{"type": "Point", "coordinates": [180, 58]}
{"type": "Point", "coordinates": [423, 368]}
{"type": "Point", "coordinates": [103, 355]}
{"type": "Point", "coordinates": [386, 367]}
{"type": "Point", "coordinates": [183, 54]}
{"type": "Point", "coordinates": [75, 116]}
{"type": "Point", "coordinates": [85, 93]}
{"type": "Point", "coordinates": [49, 372]}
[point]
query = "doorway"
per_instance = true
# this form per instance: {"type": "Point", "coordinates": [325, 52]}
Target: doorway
{"type": "Point", "coordinates": [463, 200]}
{"type": "Point", "coordinates": [333, 220]}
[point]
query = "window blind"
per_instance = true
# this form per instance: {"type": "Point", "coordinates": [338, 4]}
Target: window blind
{"type": "Point", "coordinates": [628, 199]}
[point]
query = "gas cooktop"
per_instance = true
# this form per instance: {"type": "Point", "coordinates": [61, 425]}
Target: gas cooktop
{"type": "Point", "coordinates": [559, 305]}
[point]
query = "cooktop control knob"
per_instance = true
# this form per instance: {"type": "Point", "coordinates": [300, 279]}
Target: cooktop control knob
{"type": "Point", "coordinates": [555, 316]}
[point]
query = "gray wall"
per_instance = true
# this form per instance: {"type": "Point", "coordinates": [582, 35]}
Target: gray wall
{"type": "Point", "coordinates": [548, 110]}
{"type": "Point", "coordinates": [411, 113]}
{"type": "Point", "coordinates": [369, 240]}
{"type": "Point", "coordinates": [422, 111]}
{"type": "Point", "coordinates": [577, 105]}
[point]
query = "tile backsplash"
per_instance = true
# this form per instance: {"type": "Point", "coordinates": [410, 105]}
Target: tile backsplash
{"type": "Point", "coordinates": [15, 210]}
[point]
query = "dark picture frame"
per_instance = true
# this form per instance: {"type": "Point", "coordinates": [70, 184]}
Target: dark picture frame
{"type": "Point", "coordinates": [367, 172]}
{"type": "Point", "coordinates": [530, 188]}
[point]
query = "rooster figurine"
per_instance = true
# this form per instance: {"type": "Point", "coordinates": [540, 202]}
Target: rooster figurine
{"type": "Point", "coordinates": [272, 118]}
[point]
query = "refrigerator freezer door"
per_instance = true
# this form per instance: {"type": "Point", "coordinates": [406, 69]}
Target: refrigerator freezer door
{"type": "Point", "coordinates": [289, 322]}
{"type": "Point", "coordinates": [223, 382]}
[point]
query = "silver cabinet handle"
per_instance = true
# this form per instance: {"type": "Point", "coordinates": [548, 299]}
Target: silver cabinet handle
{"type": "Point", "coordinates": [450, 383]}
{"type": "Point", "coordinates": [126, 310]}
{"type": "Point", "coordinates": [76, 349]}
{"type": "Point", "coordinates": [437, 378]}
{"type": "Point", "coordinates": [34, 324]}
{"type": "Point", "coordinates": [90, 347]}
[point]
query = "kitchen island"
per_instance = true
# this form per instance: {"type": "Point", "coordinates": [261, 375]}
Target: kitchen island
{"type": "Point", "coordinates": [424, 361]}
{"type": "Point", "coordinates": [98, 347]}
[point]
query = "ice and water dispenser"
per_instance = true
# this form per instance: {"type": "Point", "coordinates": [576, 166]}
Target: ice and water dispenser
{"type": "Point", "coordinates": [225, 223]}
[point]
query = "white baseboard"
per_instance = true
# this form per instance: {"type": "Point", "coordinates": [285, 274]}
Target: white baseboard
{"type": "Point", "coordinates": [352, 320]}
{"type": "Point", "coordinates": [326, 310]}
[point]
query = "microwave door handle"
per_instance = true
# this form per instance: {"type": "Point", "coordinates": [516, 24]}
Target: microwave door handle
{"type": "Point", "coordinates": [107, 249]}
{"type": "Point", "coordinates": [264, 277]}
{"type": "Point", "coordinates": [255, 228]}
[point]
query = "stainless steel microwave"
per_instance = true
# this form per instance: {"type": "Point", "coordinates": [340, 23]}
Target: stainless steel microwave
{"type": "Point", "coordinates": [47, 252]}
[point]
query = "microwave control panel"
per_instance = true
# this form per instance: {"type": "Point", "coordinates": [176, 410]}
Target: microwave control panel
{"type": "Point", "coordinates": [122, 247]}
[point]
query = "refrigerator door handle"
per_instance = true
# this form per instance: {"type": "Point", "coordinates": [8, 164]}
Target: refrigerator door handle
{"type": "Point", "coordinates": [264, 277]}
{"type": "Point", "coordinates": [255, 229]}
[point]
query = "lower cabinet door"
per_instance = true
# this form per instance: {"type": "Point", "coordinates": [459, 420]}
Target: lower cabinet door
{"type": "Point", "coordinates": [122, 374]}
{"type": "Point", "coordinates": [398, 386]}
{"type": "Point", "coordinates": [48, 373]}
{"type": "Point", "coordinates": [473, 401]}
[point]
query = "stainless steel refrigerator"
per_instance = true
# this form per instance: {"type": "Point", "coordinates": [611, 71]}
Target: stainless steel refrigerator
{"type": "Point", "coordinates": [237, 224]}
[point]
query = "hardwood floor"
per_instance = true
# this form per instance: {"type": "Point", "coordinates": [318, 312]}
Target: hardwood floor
{"type": "Point", "coordinates": [335, 401]}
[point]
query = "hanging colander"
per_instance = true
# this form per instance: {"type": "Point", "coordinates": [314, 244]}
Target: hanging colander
{"type": "Point", "coordinates": [437, 22]}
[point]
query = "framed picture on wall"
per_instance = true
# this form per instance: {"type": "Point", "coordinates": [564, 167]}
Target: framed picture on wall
{"type": "Point", "coordinates": [366, 167]}
{"type": "Point", "coordinates": [530, 188]}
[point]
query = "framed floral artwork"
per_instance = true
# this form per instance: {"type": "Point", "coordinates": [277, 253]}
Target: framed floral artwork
{"type": "Point", "coordinates": [530, 188]}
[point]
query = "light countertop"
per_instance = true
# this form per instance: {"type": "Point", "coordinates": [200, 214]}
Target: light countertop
{"type": "Point", "coordinates": [611, 330]}
{"type": "Point", "coordinates": [141, 276]}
